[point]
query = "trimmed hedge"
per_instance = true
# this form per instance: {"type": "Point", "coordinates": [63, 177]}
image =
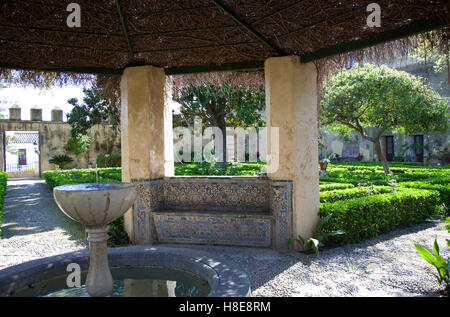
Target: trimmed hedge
{"type": "Point", "coordinates": [365, 217]}
{"type": "Point", "coordinates": [65, 177]}
{"type": "Point", "coordinates": [334, 186]}
{"type": "Point", "coordinates": [444, 190]}
{"type": "Point", "coordinates": [3, 182]}
{"type": "Point", "coordinates": [349, 193]}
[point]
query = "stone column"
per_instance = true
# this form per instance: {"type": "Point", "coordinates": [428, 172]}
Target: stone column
{"type": "Point", "coordinates": [146, 128]}
{"type": "Point", "coordinates": [291, 105]}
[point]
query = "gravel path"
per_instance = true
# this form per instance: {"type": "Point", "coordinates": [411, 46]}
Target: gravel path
{"type": "Point", "coordinates": [385, 266]}
{"type": "Point", "coordinates": [388, 265]}
{"type": "Point", "coordinates": [33, 226]}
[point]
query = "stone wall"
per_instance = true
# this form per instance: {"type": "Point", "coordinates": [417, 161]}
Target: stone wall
{"type": "Point", "coordinates": [53, 137]}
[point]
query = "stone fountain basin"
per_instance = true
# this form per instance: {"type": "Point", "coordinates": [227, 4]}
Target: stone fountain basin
{"type": "Point", "coordinates": [224, 277]}
{"type": "Point", "coordinates": [95, 204]}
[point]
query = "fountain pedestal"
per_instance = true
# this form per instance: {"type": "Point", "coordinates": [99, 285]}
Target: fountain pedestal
{"type": "Point", "coordinates": [95, 205]}
{"type": "Point", "coordinates": [99, 281]}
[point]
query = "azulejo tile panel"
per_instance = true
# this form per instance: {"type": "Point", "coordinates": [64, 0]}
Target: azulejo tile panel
{"type": "Point", "coordinates": [281, 208]}
{"type": "Point", "coordinates": [216, 195]}
{"type": "Point", "coordinates": [213, 229]}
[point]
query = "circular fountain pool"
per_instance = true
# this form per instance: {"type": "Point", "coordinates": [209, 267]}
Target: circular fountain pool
{"type": "Point", "coordinates": [137, 271]}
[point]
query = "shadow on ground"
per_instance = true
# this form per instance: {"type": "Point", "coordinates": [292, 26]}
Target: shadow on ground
{"type": "Point", "coordinates": [30, 208]}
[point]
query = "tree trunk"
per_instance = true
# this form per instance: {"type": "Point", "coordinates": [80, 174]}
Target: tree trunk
{"type": "Point", "coordinates": [223, 127]}
{"type": "Point", "coordinates": [381, 156]}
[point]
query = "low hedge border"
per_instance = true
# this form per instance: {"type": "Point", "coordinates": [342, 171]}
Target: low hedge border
{"type": "Point", "coordinates": [365, 217]}
{"type": "Point", "coordinates": [116, 233]}
{"type": "Point", "coordinates": [334, 186]}
{"type": "Point", "coordinates": [444, 190]}
{"type": "Point", "coordinates": [3, 182]}
{"type": "Point", "coordinates": [349, 193]}
{"type": "Point", "coordinates": [65, 177]}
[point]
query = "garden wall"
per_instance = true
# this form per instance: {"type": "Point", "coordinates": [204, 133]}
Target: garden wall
{"type": "Point", "coordinates": [53, 136]}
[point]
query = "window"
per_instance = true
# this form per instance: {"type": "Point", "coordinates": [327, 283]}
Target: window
{"type": "Point", "coordinates": [22, 157]}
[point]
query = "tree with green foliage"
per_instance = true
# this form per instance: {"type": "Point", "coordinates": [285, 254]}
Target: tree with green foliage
{"type": "Point", "coordinates": [95, 109]}
{"type": "Point", "coordinates": [78, 144]}
{"type": "Point", "coordinates": [384, 98]}
{"type": "Point", "coordinates": [431, 47]}
{"type": "Point", "coordinates": [222, 105]}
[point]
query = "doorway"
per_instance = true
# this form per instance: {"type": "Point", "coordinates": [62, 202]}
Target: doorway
{"type": "Point", "coordinates": [417, 147]}
{"type": "Point", "coordinates": [21, 150]}
{"type": "Point", "coordinates": [389, 147]}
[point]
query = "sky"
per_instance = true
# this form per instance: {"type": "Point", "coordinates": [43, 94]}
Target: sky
{"type": "Point", "coordinates": [27, 98]}
{"type": "Point", "coordinates": [47, 100]}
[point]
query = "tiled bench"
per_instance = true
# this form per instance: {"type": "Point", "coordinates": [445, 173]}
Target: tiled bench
{"type": "Point", "coordinates": [243, 211]}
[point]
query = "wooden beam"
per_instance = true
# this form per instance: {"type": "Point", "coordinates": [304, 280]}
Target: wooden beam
{"type": "Point", "coordinates": [246, 66]}
{"type": "Point", "coordinates": [246, 26]}
{"type": "Point", "coordinates": [124, 28]}
{"type": "Point", "coordinates": [277, 12]}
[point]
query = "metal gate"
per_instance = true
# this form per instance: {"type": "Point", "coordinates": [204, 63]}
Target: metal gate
{"type": "Point", "coordinates": [21, 154]}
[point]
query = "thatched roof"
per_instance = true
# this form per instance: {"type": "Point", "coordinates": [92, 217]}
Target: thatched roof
{"type": "Point", "coordinates": [199, 35]}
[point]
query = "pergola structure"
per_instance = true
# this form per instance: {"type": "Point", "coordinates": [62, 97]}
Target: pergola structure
{"type": "Point", "coordinates": [143, 41]}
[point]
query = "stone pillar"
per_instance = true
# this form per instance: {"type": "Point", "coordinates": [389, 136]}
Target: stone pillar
{"type": "Point", "coordinates": [36, 114]}
{"type": "Point", "coordinates": [146, 128]}
{"type": "Point", "coordinates": [57, 115]}
{"type": "Point", "coordinates": [14, 113]}
{"type": "Point", "coordinates": [291, 105]}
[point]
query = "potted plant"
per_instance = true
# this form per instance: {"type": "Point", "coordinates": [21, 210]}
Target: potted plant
{"type": "Point", "coordinates": [323, 164]}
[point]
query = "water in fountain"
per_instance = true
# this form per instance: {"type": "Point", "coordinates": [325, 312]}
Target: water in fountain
{"type": "Point", "coordinates": [134, 282]}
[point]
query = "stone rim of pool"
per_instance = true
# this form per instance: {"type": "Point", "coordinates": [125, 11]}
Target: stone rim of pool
{"type": "Point", "coordinates": [225, 278]}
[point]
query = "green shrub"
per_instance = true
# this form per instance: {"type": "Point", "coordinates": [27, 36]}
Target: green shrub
{"type": "Point", "coordinates": [78, 144]}
{"type": "Point", "coordinates": [109, 160]}
{"type": "Point", "coordinates": [444, 190]}
{"type": "Point", "coordinates": [64, 177]}
{"type": "Point", "coordinates": [333, 186]}
{"type": "Point", "coordinates": [60, 160]}
{"type": "Point", "coordinates": [3, 182]}
{"type": "Point", "coordinates": [335, 195]}
{"type": "Point", "coordinates": [365, 217]}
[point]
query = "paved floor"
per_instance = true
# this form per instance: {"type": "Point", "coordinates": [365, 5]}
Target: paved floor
{"type": "Point", "coordinates": [33, 226]}
{"type": "Point", "coordinates": [388, 265]}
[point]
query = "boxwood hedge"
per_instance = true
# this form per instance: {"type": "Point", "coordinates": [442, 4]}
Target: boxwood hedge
{"type": "Point", "coordinates": [3, 182]}
{"type": "Point", "coordinates": [348, 193]}
{"type": "Point", "coordinates": [365, 217]}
